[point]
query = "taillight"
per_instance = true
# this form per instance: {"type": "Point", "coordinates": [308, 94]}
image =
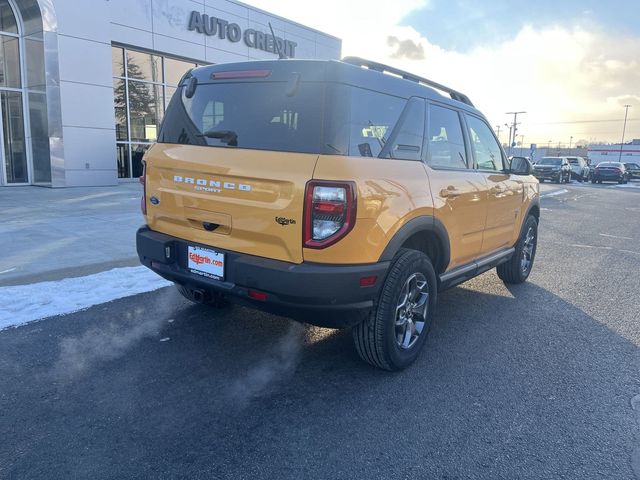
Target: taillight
{"type": "Point", "coordinates": [329, 212]}
{"type": "Point", "coordinates": [143, 182]}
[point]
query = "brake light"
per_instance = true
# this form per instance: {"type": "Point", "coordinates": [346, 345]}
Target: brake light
{"type": "Point", "coordinates": [329, 212]}
{"type": "Point", "coordinates": [240, 74]}
{"type": "Point", "coordinates": [143, 182]}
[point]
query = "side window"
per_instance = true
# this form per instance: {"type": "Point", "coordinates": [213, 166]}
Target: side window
{"type": "Point", "coordinates": [484, 145]}
{"type": "Point", "coordinates": [446, 142]}
{"type": "Point", "coordinates": [373, 116]}
{"type": "Point", "coordinates": [408, 134]}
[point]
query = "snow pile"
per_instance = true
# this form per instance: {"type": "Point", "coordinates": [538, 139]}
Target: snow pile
{"type": "Point", "coordinates": [25, 303]}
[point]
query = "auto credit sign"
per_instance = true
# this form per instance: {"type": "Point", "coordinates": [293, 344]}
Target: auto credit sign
{"type": "Point", "coordinates": [224, 30]}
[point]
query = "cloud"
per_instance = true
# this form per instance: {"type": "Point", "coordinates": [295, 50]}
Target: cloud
{"type": "Point", "coordinates": [405, 48]}
{"type": "Point", "coordinates": [559, 73]}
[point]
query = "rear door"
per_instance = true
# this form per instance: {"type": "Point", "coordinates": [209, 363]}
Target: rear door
{"type": "Point", "coordinates": [459, 192]}
{"type": "Point", "coordinates": [505, 192]}
{"type": "Point", "coordinates": [247, 201]}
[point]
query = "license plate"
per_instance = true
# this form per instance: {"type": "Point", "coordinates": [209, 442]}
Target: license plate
{"type": "Point", "coordinates": [205, 262]}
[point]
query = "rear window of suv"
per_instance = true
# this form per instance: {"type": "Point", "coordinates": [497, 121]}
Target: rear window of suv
{"type": "Point", "coordinates": [247, 115]}
{"type": "Point", "coordinates": [323, 118]}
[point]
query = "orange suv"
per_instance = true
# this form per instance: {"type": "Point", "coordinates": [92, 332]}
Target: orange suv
{"type": "Point", "coordinates": [338, 193]}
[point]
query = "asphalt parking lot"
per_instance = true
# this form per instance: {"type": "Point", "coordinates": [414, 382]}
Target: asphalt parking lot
{"type": "Point", "coordinates": [534, 381]}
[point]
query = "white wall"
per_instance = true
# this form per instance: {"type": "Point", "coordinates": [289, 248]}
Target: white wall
{"type": "Point", "coordinates": [611, 153]}
{"type": "Point", "coordinates": [85, 33]}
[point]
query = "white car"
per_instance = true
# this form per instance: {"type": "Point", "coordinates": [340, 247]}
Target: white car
{"type": "Point", "coordinates": [579, 168]}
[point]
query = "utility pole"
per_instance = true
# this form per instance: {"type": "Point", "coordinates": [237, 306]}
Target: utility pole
{"type": "Point", "coordinates": [514, 128]}
{"type": "Point", "coordinates": [624, 127]}
{"type": "Point", "coordinates": [498, 132]}
{"type": "Point", "coordinates": [570, 140]}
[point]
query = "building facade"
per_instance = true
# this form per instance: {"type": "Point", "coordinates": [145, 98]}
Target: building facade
{"type": "Point", "coordinates": [625, 153]}
{"type": "Point", "coordinates": [84, 85]}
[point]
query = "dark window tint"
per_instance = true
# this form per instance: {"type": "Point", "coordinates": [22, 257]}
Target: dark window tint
{"type": "Point", "coordinates": [257, 115]}
{"type": "Point", "coordinates": [408, 134]}
{"type": "Point", "coordinates": [373, 116]}
{"type": "Point", "coordinates": [446, 142]}
{"type": "Point", "coordinates": [484, 145]}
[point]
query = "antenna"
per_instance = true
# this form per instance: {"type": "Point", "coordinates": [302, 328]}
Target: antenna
{"type": "Point", "coordinates": [276, 45]}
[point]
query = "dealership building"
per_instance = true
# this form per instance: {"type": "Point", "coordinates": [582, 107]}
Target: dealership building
{"type": "Point", "coordinates": [84, 85]}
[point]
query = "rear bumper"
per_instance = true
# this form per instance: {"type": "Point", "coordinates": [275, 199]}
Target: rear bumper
{"type": "Point", "coordinates": [611, 177]}
{"type": "Point", "coordinates": [320, 294]}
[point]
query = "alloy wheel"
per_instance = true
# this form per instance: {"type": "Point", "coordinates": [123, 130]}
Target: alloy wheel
{"type": "Point", "coordinates": [527, 251]}
{"type": "Point", "coordinates": [411, 310]}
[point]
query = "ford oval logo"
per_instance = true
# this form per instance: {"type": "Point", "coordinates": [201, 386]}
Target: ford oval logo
{"type": "Point", "coordinates": [154, 200]}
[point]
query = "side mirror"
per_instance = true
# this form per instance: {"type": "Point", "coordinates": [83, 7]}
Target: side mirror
{"type": "Point", "coordinates": [521, 166]}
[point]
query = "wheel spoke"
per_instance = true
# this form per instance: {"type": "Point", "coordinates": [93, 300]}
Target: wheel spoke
{"type": "Point", "coordinates": [419, 306]}
{"type": "Point", "coordinates": [408, 334]}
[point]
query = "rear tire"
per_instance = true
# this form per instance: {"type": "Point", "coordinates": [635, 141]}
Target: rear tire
{"type": "Point", "coordinates": [519, 266]}
{"type": "Point", "coordinates": [394, 334]}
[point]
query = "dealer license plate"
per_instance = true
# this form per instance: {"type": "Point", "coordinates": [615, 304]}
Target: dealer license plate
{"type": "Point", "coordinates": [205, 262]}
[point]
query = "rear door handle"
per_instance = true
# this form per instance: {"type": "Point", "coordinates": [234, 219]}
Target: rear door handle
{"type": "Point", "coordinates": [449, 192]}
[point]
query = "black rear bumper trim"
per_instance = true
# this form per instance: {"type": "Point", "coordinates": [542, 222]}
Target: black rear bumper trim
{"type": "Point", "coordinates": [321, 294]}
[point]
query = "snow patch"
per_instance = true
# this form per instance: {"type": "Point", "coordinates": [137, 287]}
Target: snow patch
{"type": "Point", "coordinates": [555, 192]}
{"type": "Point", "coordinates": [25, 303]}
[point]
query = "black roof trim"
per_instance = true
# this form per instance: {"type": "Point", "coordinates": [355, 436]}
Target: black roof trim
{"type": "Point", "coordinates": [380, 67]}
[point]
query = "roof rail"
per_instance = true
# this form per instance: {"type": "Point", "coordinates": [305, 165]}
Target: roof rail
{"type": "Point", "coordinates": [380, 67]}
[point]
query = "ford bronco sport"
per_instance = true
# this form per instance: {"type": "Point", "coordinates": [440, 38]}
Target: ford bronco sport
{"type": "Point", "coordinates": [338, 193]}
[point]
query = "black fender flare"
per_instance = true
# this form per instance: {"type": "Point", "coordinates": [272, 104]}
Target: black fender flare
{"type": "Point", "coordinates": [535, 203]}
{"type": "Point", "coordinates": [423, 223]}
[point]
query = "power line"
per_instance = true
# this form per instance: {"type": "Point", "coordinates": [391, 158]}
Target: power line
{"type": "Point", "coordinates": [568, 122]}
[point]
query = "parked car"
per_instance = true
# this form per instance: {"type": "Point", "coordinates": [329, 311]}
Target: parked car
{"type": "Point", "coordinates": [557, 169]}
{"type": "Point", "coordinates": [610, 172]}
{"type": "Point", "coordinates": [579, 168]}
{"type": "Point", "coordinates": [633, 169]}
{"type": "Point", "coordinates": [310, 193]}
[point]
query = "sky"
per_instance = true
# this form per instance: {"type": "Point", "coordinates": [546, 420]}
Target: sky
{"type": "Point", "coordinates": [572, 65]}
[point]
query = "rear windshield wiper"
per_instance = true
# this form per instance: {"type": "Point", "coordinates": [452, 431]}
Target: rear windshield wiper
{"type": "Point", "coordinates": [227, 136]}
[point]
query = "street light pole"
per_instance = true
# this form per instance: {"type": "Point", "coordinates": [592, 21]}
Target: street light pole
{"type": "Point", "coordinates": [498, 132]}
{"type": "Point", "coordinates": [514, 128]}
{"type": "Point", "coordinates": [570, 140]}
{"type": "Point", "coordinates": [624, 127]}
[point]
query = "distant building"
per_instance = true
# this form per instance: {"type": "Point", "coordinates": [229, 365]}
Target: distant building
{"type": "Point", "coordinates": [628, 152]}
{"type": "Point", "coordinates": [535, 152]}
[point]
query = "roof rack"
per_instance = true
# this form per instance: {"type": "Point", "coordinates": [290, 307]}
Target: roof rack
{"type": "Point", "coordinates": [380, 67]}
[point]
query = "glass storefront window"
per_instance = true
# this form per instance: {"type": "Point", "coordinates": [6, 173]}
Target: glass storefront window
{"type": "Point", "coordinates": [7, 19]}
{"type": "Point", "coordinates": [175, 69]}
{"type": "Point", "coordinates": [120, 106]}
{"type": "Point", "coordinates": [144, 66]}
{"type": "Point", "coordinates": [143, 84]}
{"type": "Point", "coordinates": [146, 108]}
{"type": "Point", "coordinates": [117, 61]}
{"type": "Point", "coordinates": [9, 62]}
{"type": "Point", "coordinates": [13, 129]}
{"type": "Point", "coordinates": [137, 152]}
{"type": "Point", "coordinates": [122, 155]}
